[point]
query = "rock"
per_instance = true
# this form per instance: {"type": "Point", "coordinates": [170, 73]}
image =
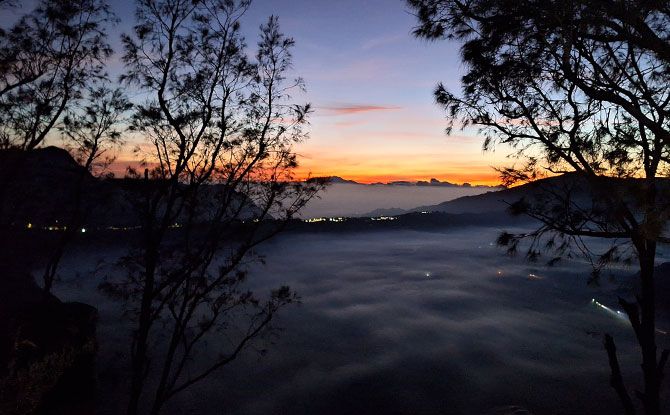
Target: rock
{"type": "Point", "coordinates": [48, 350]}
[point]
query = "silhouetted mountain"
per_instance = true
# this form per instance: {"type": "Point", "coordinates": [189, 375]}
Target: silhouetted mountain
{"type": "Point", "coordinates": [332, 180]}
{"type": "Point", "coordinates": [432, 182]}
{"type": "Point", "coordinates": [384, 212]}
{"type": "Point", "coordinates": [435, 182]}
{"type": "Point", "coordinates": [45, 187]}
{"type": "Point", "coordinates": [414, 221]}
{"type": "Point", "coordinates": [543, 190]}
{"type": "Point", "coordinates": [40, 187]}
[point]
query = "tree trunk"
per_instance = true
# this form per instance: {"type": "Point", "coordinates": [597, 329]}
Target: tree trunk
{"type": "Point", "coordinates": [647, 333]}
{"type": "Point", "coordinates": [140, 345]}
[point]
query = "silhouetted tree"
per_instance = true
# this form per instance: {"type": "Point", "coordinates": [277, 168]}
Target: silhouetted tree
{"type": "Point", "coordinates": [91, 131]}
{"type": "Point", "coordinates": [582, 87]}
{"type": "Point", "coordinates": [47, 59]}
{"type": "Point", "coordinates": [219, 128]}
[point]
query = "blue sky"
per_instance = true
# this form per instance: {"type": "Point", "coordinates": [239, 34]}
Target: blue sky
{"type": "Point", "coordinates": [371, 84]}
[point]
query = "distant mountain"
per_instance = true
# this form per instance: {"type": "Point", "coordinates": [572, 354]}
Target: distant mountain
{"type": "Point", "coordinates": [384, 212]}
{"type": "Point", "coordinates": [332, 180]}
{"type": "Point", "coordinates": [435, 182]}
{"type": "Point", "coordinates": [543, 190]}
{"type": "Point", "coordinates": [414, 221]}
{"type": "Point", "coordinates": [432, 182]}
{"type": "Point", "coordinates": [40, 187]}
{"type": "Point", "coordinates": [43, 187]}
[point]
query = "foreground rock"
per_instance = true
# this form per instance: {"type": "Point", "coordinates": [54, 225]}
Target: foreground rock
{"type": "Point", "coordinates": [47, 351]}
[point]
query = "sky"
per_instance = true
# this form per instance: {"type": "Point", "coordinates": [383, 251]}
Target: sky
{"type": "Point", "coordinates": [370, 82]}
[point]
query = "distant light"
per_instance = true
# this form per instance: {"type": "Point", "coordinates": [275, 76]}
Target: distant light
{"type": "Point", "coordinates": [428, 274]}
{"type": "Point", "coordinates": [385, 218]}
{"type": "Point", "coordinates": [83, 230]}
{"type": "Point", "coordinates": [29, 225]}
{"type": "Point", "coordinates": [615, 313]}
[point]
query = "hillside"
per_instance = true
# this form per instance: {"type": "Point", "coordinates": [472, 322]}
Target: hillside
{"type": "Point", "coordinates": [546, 191]}
{"type": "Point", "coordinates": [40, 187]}
{"type": "Point", "coordinates": [44, 187]}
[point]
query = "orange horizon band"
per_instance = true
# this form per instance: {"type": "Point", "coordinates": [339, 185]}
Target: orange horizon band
{"type": "Point", "coordinates": [119, 169]}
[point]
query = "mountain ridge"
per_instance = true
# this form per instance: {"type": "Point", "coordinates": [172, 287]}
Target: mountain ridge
{"type": "Point", "coordinates": [422, 183]}
{"type": "Point", "coordinates": [500, 201]}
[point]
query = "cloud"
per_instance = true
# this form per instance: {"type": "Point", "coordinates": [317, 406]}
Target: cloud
{"type": "Point", "coordinates": [355, 109]}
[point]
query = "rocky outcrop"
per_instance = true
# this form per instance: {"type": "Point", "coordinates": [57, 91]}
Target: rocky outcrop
{"type": "Point", "coordinates": [47, 351]}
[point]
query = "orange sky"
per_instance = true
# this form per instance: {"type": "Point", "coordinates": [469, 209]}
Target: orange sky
{"type": "Point", "coordinates": [483, 178]}
{"type": "Point", "coordinates": [384, 168]}
{"type": "Point", "coordinates": [384, 144]}
{"type": "Point", "coordinates": [473, 174]}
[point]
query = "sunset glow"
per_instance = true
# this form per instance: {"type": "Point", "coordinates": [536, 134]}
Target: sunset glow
{"type": "Point", "coordinates": [371, 86]}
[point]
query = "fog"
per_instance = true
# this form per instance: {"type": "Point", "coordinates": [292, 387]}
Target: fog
{"type": "Point", "coordinates": [407, 322]}
{"type": "Point", "coordinates": [343, 199]}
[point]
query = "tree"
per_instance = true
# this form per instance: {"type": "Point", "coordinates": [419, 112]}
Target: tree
{"type": "Point", "coordinates": [91, 132]}
{"type": "Point", "coordinates": [219, 128]}
{"type": "Point", "coordinates": [581, 87]}
{"type": "Point", "coordinates": [47, 59]}
{"type": "Point", "coordinates": [91, 129]}
{"type": "Point", "coordinates": [52, 77]}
